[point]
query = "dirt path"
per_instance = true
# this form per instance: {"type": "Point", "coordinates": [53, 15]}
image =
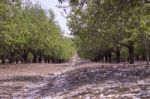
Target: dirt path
{"type": "Point", "coordinates": [76, 61]}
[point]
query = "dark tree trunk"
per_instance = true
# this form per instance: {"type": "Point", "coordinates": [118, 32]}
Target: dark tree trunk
{"type": "Point", "coordinates": [147, 57]}
{"type": "Point", "coordinates": [143, 57]}
{"type": "Point", "coordinates": [99, 57]}
{"type": "Point", "coordinates": [25, 58]}
{"type": "Point", "coordinates": [21, 60]}
{"type": "Point", "coordinates": [53, 60]}
{"type": "Point", "coordinates": [49, 61]}
{"type": "Point", "coordinates": [146, 48]}
{"type": "Point", "coordinates": [11, 59]}
{"type": "Point", "coordinates": [106, 57]}
{"type": "Point", "coordinates": [40, 58]}
{"type": "Point", "coordinates": [118, 55]}
{"type": "Point", "coordinates": [17, 61]}
{"type": "Point", "coordinates": [102, 58]}
{"type": "Point", "coordinates": [109, 56]}
{"type": "Point", "coordinates": [45, 60]}
{"type": "Point", "coordinates": [34, 58]}
{"type": "Point", "coordinates": [3, 60]}
{"type": "Point", "coordinates": [137, 58]}
{"type": "Point", "coordinates": [131, 52]}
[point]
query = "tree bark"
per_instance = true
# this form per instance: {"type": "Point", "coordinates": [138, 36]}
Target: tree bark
{"type": "Point", "coordinates": [102, 59]}
{"type": "Point", "coordinates": [147, 58]}
{"type": "Point", "coordinates": [3, 60]}
{"type": "Point", "coordinates": [11, 58]}
{"type": "Point", "coordinates": [131, 52]}
{"type": "Point", "coordinates": [118, 55]}
{"type": "Point", "coordinates": [49, 60]}
{"type": "Point", "coordinates": [40, 58]}
{"type": "Point", "coordinates": [137, 58]}
{"type": "Point", "coordinates": [146, 48]}
{"type": "Point", "coordinates": [109, 56]}
{"type": "Point", "coordinates": [143, 57]}
{"type": "Point", "coordinates": [34, 58]}
{"type": "Point", "coordinates": [106, 57]}
{"type": "Point", "coordinates": [25, 58]}
{"type": "Point", "coordinates": [45, 60]}
{"type": "Point", "coordinates": [17, 61]}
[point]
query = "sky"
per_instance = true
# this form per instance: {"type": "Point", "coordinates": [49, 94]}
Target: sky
{"type": "Point", "coordinates": [52, 4]}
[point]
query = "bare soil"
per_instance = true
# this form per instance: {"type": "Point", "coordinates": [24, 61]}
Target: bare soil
{"type": "Point", "coordinates": [35, 81]}
{"type": "Point", "coordinates": [31, 69]}
{"type": "Point", "coordinates": [18, 80]}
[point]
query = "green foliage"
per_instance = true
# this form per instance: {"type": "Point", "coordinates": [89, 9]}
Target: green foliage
{"type": "Point", "coordinates": [124, 53]}
{"type": "Point", "coordinates": [110, 26]}
{"type": "Point", "coordinates": [28, 32]}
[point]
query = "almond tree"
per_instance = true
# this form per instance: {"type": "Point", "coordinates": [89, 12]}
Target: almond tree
{"type": "Point", "coordinates": [114, 23]}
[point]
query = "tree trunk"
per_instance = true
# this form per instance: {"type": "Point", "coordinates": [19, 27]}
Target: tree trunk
{"type": "Point", "coordinates": [17, 61]}
{"type": "Point", "coordinates": [137, 58]}
{"type": "Point", "coordinates": [40, 60]}
{"type": "Point", "coordinates": [147, 57]}
{"type": "Point", "coordinates": [131, 52]}
{"type": "Point", "coordinates": [34, 58]}
{"type": "Point", "coordinates": [118, 55]}
{"type": "Point", "coordinates": [143, 57]}
{"type": "Point", "coordinates": [52, 60]}
{"type": "Point", "coordinates": [21, 60]}
{"type": "Point", "coordinates": [106, 57]}
{"type": "Point", "coordinates": [3, 60]}
{"type": "Point", "coordinates": [25, 58]}
{"type": "Point", "coordinates": [49, 60]}
{"type": "Point", "coordinates": [45, 60]}
{"type": "Point", "coordinates": [146, 48]}
{"type": "Point", "coordinates": [11, 59]}
{"type": "Point", "coordinates": [109, 56]}
{"type": "Point", "coordinates": [102, 60]}
{"type": "Point", "coordinates": [40, 57]}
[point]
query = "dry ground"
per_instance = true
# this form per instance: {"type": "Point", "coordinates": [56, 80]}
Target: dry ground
{"type": "Point", "coordinates": [17, 79]}
{"type": "Point", "coordinates": [31, 69]}
{"type": "Point", "coordinates": [50, 69]}
{"type": "Point", "coordinates": [20, 81]}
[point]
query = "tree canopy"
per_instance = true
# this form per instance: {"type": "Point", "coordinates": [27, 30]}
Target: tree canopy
{"type": "Point", "coordinates": [28, 33]}
{"type": "Point", "coordinates": [105, 29]}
